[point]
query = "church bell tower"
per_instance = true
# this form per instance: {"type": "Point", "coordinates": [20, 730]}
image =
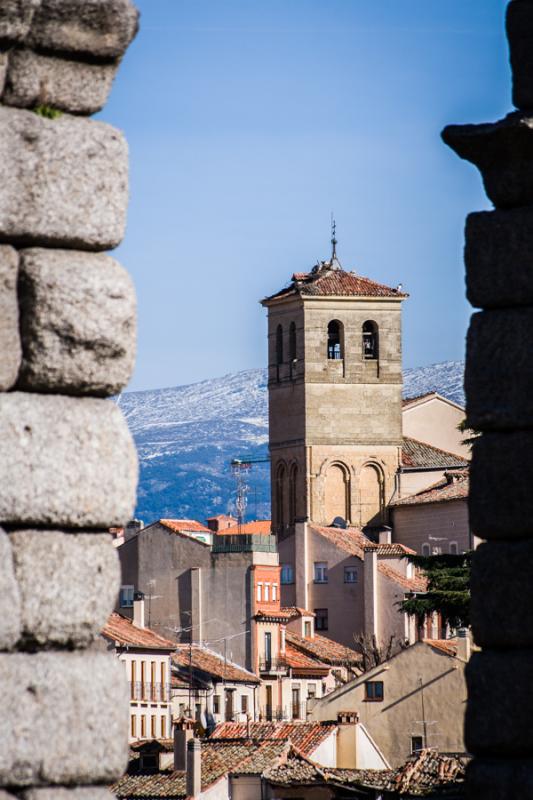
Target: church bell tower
{"type": "Point", "coordinates": [335, 384]}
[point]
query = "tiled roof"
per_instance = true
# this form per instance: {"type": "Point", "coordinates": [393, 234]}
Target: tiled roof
{"type": "Point", "coordinates": [166, 783]}
{"type": "Point", "coordinates": [295, 611]}
{"type": "Point", "coordinates": [210, 663]}
{"type": "Point", "coordinates": [184, 526]}
{"type": "Point", "coordinates": [423, 455]}
{"type": "Point", "coordinates": [326, 282]}
{"type": "Point", "coordinates": [424, 774]}
{"type": "Point", "coordinates": [416, 584]}
{"type": "Point", "coordinates": [122, 630]}
{"type": "Point", "coordinates": [448, 646]}
{"type": "Point", "coordinates": [324, 649]}
{"type": "Point", "coordinates": [355, 542]}
{"type": "Point", "coordinates": [260, 526]}
{"type": "Point", "coordinates": [306, 736]}
{"type": "Point", "coordinates": [407, 401]}
{"type": "Point", "coordinates": [300, 661]}
{"type": "Point", "coordinates": [454, 486]}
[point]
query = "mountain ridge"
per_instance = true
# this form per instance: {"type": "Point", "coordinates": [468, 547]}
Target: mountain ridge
{"type": "Point", "coordinates": [187, 435]}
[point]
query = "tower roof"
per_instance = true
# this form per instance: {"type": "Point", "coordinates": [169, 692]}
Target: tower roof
{"type": "Point", "coordinates": [328, 279]}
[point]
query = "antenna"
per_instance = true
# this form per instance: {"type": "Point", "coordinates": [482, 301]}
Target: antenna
{"type": "Point", "coordinates": [333, 239]}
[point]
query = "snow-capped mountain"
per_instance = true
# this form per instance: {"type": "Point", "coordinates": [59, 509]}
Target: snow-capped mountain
{"type": "Point", "coordinates": [187, 435]}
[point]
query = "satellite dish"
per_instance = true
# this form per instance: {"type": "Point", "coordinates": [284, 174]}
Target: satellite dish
{"type": "Point", "coordinates": [339, 522]}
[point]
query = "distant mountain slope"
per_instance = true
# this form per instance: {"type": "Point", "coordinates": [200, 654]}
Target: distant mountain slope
{"type": "Point", "coordinates": [187, 435]}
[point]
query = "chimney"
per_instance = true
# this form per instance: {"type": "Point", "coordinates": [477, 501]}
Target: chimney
{"type": "Point", "coordinates": [132, 528]}
{"type": "Point", "coordinates": [138, 609]}
{"type": "Point", "coordinates": [194, 768]}
{"type": "Point", "coordinates": [463, 644]}
{"type": "Point", "coordinates": [183, 733]}
{"type": "Point", "coordinates": [385, 535]}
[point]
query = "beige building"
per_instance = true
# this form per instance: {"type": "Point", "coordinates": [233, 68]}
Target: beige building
{"type": "Point", "coordinates": [335, 381]}
{"type": "Point", "coordinates": [146, 659]}
{"type": "Point", "coordinates": [435, 420]}
{"type": "Point", "coordinates": [412, 701]}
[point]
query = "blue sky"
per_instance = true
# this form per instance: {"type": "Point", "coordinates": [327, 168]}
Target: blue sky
{"type": "Point", "coordinates": [250, 121]}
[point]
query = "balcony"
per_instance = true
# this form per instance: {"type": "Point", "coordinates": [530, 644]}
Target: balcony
{"type": "Point", "coordinates": [273, 665]}
{"type": "Point", "coordinates": [149, 692]}
{"type": "Point", "coordinates": [293, 713]}
{"type": "Point", "coordinates": [245, 543]}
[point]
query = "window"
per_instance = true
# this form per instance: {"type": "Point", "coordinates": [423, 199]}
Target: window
{"type": "Point", "coordinates": [350, 574]}
{"type": "Point", "coordinates": [292, 342]}
{"type": "Point", "coordinates": [335, 340]}
{"type": "Point", "coordinates": [163, 674]}
{"type": "Point", "coordinates": [307, 629]}
{"type": "Point", "coordinates": [133, 726]}
{"type": "Point", "coordinates": [454, 549]}
{"type": "Point", "coordinates": [321, 572]}
{"type": "Point", "coordinates": [311, 691]}
{"type": "Point", "coordinates": [198, 711]}
{"type": "Point", "coordinates": [163, 728]}
{"type": "Point", "coordinates": [370, 341]}
{"type": "Point", "coordinates": [417, 744]}
{"type": "Point", "coordinates": [216, 704]}
{"type": "Point", "coordinates": [267, 592]}
{"type": "Point", "coordinates": [321, 619]}
{"type": "Point", "coordinates": [426, 550]}
{"type": "Point", "coordinates": [296, 702]}
{"type": "Point", "coordinates": [143, 726]}
{"type": "Point", "coordinates": [374, 690]}
{"type": "Point", "coordinates": [153, 726]}
{"type": "Point", "coordinates": [244, 704]}
{"type": "Point", "coordinates": [279, 345]}
{"type": "Point", "coordinates": [259, 592]}
{"type": "Point", "coordinates": [287, 573]}
{"type": "Point", "coordinates": [126, 596]}
{"type": "Point", "coordinates": [268, 649]}
{"type": "Point", "coordinates": [274, 591]}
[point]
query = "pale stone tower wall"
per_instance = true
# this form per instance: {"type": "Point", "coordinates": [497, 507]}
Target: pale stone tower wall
{"type": "Point", "coordinates": [68, 468]}
{"type": "Point", "coordinates": [335, 425]}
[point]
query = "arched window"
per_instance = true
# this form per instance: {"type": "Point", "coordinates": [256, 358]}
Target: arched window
{"type": "Point", "coordinates": [370, 341]}
{"type": "Point", "coordinates": [292, 342]}
{"type": "Point", "coordinates": [371, 493]}
{"type": "Point", "coordinates": [280, 496]}
{"type": "Point", "coordinates": [293, 475]}
{"type": "Point", "coordinates": [337, 493]}
{"type": "Point", "coordinates": [279, 345]}
{"type": "Point", "coordinates": [335, 337]}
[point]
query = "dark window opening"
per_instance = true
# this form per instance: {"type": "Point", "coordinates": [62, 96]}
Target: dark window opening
{"type": "Point", "coordinates": [370, 341]}
{"type": "Point", "coordinates": [279, 345]}
{"type": "Point", "coordinates": [374, 690]}
{"type": "Point", "coordinates": [321, 619]}
{"type": "Point", "coordinates": [417, 744]}
{"type": "Point", "coordinates": [292, 341]}
{"type": "Point", "coordinates": [335, 340]}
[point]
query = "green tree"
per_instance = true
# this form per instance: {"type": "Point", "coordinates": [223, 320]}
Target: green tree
{"type": "Point", "coordinates": [448, 589]}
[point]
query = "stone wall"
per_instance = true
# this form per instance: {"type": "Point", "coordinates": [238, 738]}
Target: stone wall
{"type": "Point", "coordinates": [498, 383]}
{"type": "Point", "coordinates": [68, 468]}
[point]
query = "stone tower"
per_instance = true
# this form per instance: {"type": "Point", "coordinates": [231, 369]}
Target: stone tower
{"type": "Point", "coordinates": [335, 382]}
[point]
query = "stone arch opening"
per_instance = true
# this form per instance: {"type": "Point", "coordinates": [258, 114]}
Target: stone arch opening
{"type": "Point", "coordinates": [371, 495]}
{"type": "Point", "coordinates": [337, 492]}
{"type": "Point", "coordinates": [370, 340]}
{"type": "Point", "coordinates": [335, 340]}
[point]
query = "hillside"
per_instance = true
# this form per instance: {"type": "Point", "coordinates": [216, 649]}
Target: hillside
{"type": "Point", "coordinates": [187, 435]}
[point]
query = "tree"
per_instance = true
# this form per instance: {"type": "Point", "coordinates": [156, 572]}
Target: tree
{"type": "Point", "coordinates": [375, 652]}
{"type": "Point", "coordinates": [448, 590]}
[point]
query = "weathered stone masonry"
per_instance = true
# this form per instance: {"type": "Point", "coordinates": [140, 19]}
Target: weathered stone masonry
{"type": "Point", "coordinates": [499, 388]}
{"type": "Point", "coordinates": [68, 468]}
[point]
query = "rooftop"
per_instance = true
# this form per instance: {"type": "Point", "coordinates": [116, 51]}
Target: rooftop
{"type": "Point", "coordinates": [326, 650]}
{"type": "Point", "coordinates": [453, 486]}
{"type": "Point", "coordinates": [300, 661]}
{"type": "Point", "coordinates": [210, 663]}
{"type": "Point", "coordinates": [255, 526]}
{"type": "Point", "coordinates": [121, 630]}
{"type": "Point", "coordinates": [421, 455]}
{"type": "Point", "coordinates": [184, 526]}
{"type": "Point", "coordinates": [306, 736]}
{"type": "Point", "coordinates": [328, 279]}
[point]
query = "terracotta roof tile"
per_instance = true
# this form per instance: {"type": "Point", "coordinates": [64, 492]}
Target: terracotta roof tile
{"type": "Point", "coordinates": [184, 526]}
{"type": "Point", "coordinates": [295, 611]}
{"type": "Point", "coordinates": [306, 736]}
{"type": "Point", "coordinates": [210, 663]}
{"type": "Point", "coordinates": [257, 526]}
{"type": "Point", "coordinates": [454, 486]}
{"type": "Point", "coordinates": [301, 661]}
{"type": "Point", "coordinates": [327, 650]}
{"type": "Point", "coordinates": [422, 455]}
{"type": "Point", "coordinates": [122, 630]}
{"type": "Point", "coordinates": [448, 646]}
{"type": "Point", "coordinates": [407, 401]}
{"type": "Point", "coordinates": [416, 584]}
{"type": "Point", "coordinates": [351, 540]}
{"type": "Point", "coordinates": [327, 282]}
